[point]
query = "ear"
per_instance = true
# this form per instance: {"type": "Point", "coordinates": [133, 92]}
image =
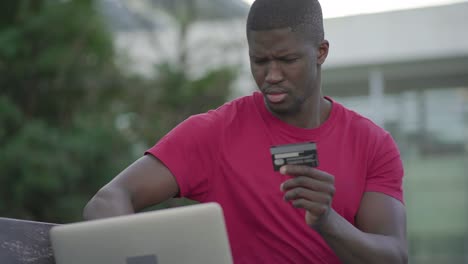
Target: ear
{"type": "Point", "coordinates": [323, 52]}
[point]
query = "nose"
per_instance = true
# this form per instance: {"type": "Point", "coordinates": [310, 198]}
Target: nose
{"type": "Point", "coordinates": [274, 73]}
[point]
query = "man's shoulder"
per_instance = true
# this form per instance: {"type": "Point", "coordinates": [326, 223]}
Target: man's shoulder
{"type": "Point", "coordinates": [239, 103]}
{"type": "Point", "coordinates": [232, 110]}
{"type": "Point", "coordinates": [359, 123]}
{"type": "Point", "coordinates": [365, 133]}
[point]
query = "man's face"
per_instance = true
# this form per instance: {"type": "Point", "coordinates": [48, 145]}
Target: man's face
{"type": "Point", "coordinates": [285, 67]}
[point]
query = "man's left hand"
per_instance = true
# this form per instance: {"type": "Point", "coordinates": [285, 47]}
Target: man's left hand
{"type": "Point", "coordinates": [309, 189]}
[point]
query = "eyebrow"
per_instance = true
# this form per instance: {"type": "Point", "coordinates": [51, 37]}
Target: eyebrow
{"type": "Point", "coordinates": [292, 54]}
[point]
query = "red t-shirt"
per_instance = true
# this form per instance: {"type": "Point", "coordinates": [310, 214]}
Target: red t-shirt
{"type": "Point", "coordinates": [224, 156]}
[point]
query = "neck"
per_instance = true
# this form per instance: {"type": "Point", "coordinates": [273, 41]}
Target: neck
{"type": "Point", "coordinates": [314, 112]}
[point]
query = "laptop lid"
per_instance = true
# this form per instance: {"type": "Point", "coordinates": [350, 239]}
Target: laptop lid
{"type": "Point", "coordinates": [191, 234]}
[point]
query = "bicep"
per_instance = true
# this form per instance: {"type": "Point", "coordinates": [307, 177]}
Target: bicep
{"type": "Point", "coordinates": [382, 215]}
{"type": "Point", "coordinates": [147, 181]}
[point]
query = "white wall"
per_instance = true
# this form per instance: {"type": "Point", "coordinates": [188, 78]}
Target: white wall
{"type": "Point", "coordinates": [398, 36]}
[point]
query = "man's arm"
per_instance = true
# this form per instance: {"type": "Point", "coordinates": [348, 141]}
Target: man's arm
{"type": "Point", "coordinates": [379, 235]}
{"type": "Point", "coordinates": [144, 183]}
{"type": "Point", "coordinates": [380, 232]}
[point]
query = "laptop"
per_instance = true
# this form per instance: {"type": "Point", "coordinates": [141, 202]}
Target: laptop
{"type": "Point", "coordinates": [190, 234]}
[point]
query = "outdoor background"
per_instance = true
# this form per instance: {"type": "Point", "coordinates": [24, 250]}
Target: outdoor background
{"type": "Point", "coordinates": [87, 86]}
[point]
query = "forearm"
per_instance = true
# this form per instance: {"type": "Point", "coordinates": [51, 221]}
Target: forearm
{"type": "Point", "coordinates": [108, 203]}
{"type": "Point", "coordinates": [354, 246]}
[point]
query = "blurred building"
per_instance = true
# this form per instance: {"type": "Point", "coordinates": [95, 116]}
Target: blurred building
{"type": "Point", "coordinates": [147, 32]}
{"type": "Point", "coordinates": [406, 70]}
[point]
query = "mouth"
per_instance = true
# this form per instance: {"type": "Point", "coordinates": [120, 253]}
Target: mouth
{"type": "Point", "coordinates": [275, 96]}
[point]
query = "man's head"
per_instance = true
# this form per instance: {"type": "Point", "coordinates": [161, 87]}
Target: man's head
{"type": "Point", "coordinates": [286, 48]}
{"type": "Point", "coordinates": [301, 16]}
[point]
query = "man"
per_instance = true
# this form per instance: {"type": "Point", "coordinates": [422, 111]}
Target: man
{"type": "Point", "coordinates": [348, 210]}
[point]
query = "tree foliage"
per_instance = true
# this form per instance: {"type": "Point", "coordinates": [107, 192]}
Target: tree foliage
{"type": "Point", "coordinates": [70, 119]}
{"type": "Point", "coordinates": [58, 79]}
{"type": "Point", "coordinates": [55, 56]}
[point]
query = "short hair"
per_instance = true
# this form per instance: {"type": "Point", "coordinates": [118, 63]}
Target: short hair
{"type": "Point", "coordinates": [304, 16]}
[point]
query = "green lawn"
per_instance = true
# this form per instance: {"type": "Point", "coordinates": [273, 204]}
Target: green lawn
{"type": "Point", "coordinates": [436, 191]}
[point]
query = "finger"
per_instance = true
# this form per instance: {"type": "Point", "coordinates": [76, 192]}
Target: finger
{"type": "Point", "coordinates": [308, 183]}
{"type": "Point", "coordinates": [312, 207]}
{"type": "Point", "coordinates": [301, 193]}
{"type": "Point", "coordinates": [302, 170]}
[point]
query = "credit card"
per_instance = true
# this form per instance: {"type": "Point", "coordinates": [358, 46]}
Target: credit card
{"type": "Point", "coordinates": [297, 154]}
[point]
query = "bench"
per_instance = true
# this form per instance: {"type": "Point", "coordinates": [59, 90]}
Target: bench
{"type": "Point", "coordinates": [25, 242]}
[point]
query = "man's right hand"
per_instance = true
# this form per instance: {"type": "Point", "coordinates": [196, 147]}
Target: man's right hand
{"type": "Point", "coordinates": [144, 183]}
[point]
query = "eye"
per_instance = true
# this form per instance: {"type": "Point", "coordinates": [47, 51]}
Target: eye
{"type": "Point", "coordinates": [290, 60]}
{"type": "Point", "coordinates": [260, 61]}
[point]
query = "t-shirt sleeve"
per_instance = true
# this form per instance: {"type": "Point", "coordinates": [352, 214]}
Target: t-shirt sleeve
{"type": "Point", "coordinates": [189, 151]}
{"type": "Point", "coordinates": [386, 170]}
